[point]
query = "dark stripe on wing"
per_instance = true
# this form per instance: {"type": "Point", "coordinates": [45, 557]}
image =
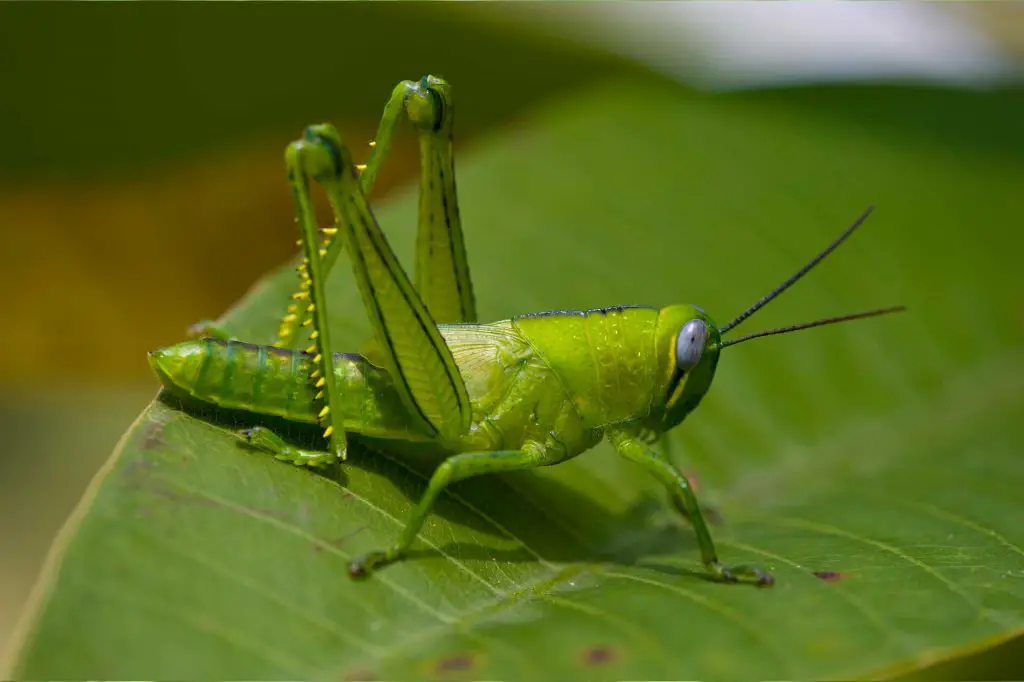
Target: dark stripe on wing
{"type": "Point", "coordinates": [584, 313]}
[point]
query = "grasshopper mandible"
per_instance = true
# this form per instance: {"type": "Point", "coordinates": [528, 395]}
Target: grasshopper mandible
{"type": "Point", "coordinates": [530, 391]}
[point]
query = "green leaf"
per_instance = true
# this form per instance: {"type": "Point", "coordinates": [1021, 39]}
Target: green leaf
{"type": "Point", "coordinates": [883, 455]}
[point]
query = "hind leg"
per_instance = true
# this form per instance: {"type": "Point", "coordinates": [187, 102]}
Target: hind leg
{"type": "Point", "coordinates": [442, 276]}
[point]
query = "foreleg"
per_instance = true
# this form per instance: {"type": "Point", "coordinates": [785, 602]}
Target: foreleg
{"type": "Point", "coordinates": [630, 447]}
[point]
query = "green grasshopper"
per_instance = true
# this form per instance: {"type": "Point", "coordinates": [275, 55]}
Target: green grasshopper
{"type": "Point", "coordinates": [530, 391]}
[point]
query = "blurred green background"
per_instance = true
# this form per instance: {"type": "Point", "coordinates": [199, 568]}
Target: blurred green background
{"type": "Point", "coordinates": [141, 189]}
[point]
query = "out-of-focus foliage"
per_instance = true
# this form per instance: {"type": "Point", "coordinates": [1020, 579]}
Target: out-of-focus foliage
{"type": "Point", "coordinates": [142, 151]}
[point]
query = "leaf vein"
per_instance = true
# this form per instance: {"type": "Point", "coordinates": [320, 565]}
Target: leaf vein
{"type": "Point", "coordinates": [312, 539]}
{"type": "Point", "coordinates": [638, 633]}
{"type": "Point", "coordinates": [826, 529]}
{"type": "Point", "coordinates": [455, 562]}
{"type": "Point", "coordinates": [202, 624]}
{"type": "Point", "coordinates": [474, 509]}
{"type": "Point", "coordinates": [267, 593]}
{"type": "Point", "coordinates": [869, 614]}
{"type": "Point", "coordinates": [722, 610]}
{"type": "Point", "coordinates": [963, 521]}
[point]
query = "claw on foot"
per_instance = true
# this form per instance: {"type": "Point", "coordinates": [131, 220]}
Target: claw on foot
{"type": "Point", "coordinates": [363, 566]}
{"type": "Point", "coordinates": [732, 574]}
{"type": "Point", "coordinates": [260, 438]}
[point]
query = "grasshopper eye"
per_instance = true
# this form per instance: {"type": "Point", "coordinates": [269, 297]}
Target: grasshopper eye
{"type": "Point", "coordinates": [690, 344]}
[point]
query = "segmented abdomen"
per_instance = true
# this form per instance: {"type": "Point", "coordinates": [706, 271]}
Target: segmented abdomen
{"type": "Point", "coordinates": [263, 379]}
{"type": "Point", "coordinates": [276, 381]}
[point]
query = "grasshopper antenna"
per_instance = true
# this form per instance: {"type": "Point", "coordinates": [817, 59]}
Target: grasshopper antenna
{"type": "Point", "coordinates": [793, 280]}
{"type": "Point", "coordinates": [815, 323]}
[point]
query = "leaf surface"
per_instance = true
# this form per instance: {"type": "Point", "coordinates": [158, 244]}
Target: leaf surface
{"type": "Point", "coordinates": [874, 468]}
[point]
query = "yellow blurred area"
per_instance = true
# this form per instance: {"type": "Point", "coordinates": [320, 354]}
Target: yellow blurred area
{"type": "Point", "coordinates": [142, 184]}
{"type": "Point", "coordinates": [99, 273]}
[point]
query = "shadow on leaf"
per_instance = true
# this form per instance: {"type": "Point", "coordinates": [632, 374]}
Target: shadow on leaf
{"type": "Point", "coordinates": [488, 504]}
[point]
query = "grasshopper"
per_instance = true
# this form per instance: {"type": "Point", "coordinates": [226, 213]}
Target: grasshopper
{"type": "Point", "coordinates": [515, 394]}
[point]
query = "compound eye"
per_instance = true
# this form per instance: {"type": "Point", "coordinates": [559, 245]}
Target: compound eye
{"type": "Point", "coordinates": [690, 344]}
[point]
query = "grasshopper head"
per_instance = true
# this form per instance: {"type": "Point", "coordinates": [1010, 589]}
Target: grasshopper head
{"type": "Point", "coordinates": [688, 345]}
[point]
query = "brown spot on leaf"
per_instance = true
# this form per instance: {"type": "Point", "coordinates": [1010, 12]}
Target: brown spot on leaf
{"type": "Point", "coordinates": [829, 576]}
{"type": "Point", "coordinates": [598, 655]}
{"type": "Point", "coordinates": [359, 675]}
{"type": "Point", "coordinates": [153, 435]}
{"type": "Point", "coordinates": [456, 663]}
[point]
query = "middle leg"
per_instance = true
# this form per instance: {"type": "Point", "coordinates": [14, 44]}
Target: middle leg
{"type": "Point", "coordinates": [677, 485]}
{"type": "Point", "coordinates": [455, 468]}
